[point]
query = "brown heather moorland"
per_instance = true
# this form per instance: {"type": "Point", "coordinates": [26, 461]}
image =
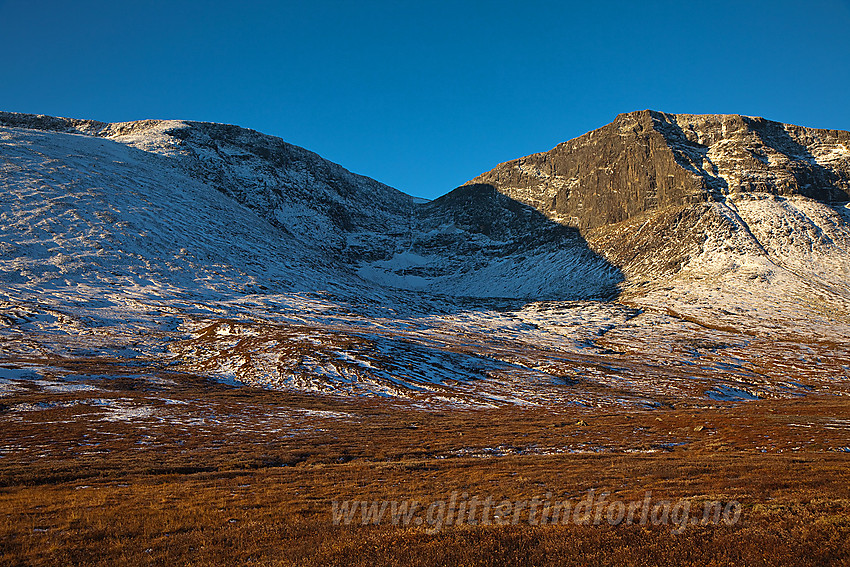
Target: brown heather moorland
{"type": "Point", "coordinates": [186, 472]}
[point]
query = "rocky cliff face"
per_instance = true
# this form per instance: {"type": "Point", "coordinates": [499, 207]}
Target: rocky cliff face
{"type": "Point", "coordinates": [709, 216]}
{"type": "Point", "coordinates": [646, 161]}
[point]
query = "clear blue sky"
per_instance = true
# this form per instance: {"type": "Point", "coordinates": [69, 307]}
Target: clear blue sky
{"type": "Point", "coordinates": [425, 95]}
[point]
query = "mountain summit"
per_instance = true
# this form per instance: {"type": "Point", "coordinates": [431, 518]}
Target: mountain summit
{"type": "Point", "coordinates": [721, 218]}
{"type": "Point", "coordinates": [647, 160]}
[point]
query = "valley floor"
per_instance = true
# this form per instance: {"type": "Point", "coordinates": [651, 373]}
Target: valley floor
{"type": "Point", "coordinates": [174, 469]}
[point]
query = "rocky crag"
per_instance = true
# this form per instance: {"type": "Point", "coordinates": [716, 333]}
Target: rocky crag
{"type": "Point", "coordinates": [646, 161]}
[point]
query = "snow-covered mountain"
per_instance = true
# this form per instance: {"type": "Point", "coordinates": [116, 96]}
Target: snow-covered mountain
{"type": "Point", "coordinates": [712, 215]}
{"type": "Point", "coordinates": [580, 275]}
{"type": "Point", "coordinates": [337, 223]}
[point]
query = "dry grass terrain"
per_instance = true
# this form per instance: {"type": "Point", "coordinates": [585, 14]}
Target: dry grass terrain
{"type": "Point", "coordinates": [180, 471]}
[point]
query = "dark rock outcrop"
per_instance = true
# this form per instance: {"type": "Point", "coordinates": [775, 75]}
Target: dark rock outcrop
{"type": "Point", "coordinates": [647, 160]}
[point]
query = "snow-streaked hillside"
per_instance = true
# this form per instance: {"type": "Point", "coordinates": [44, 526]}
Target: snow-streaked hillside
{"type": "Point", "coordinates": [79, 210]}
{"type": "Point", "coordinates": [327, 223]}
{"type": "Point", "coordinates": [220, 251]}
{"type": "Point", "coordinates": [756, 262]}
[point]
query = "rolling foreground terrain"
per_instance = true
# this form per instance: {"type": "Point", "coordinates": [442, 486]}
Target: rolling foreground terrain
{"type": "Point", "coordinates": [208, 336]}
